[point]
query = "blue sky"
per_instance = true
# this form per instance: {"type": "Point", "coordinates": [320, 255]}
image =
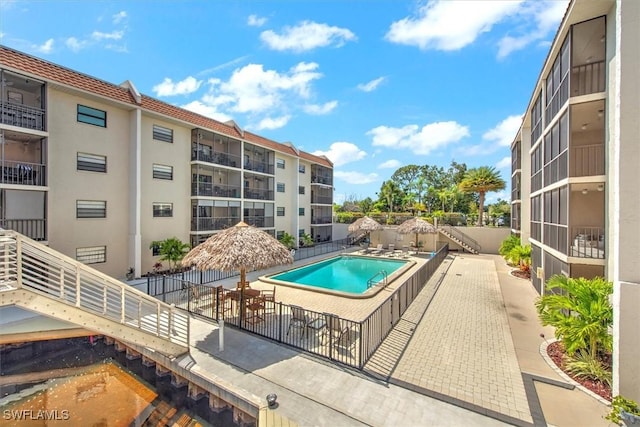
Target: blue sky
{"type": "Point", "coordinates": [374, 84]}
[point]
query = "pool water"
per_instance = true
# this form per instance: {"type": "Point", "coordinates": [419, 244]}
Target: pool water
{"type": "Point", "coordinates": [344, 273]}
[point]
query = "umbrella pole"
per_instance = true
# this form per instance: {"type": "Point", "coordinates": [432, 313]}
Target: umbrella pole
{"type": "Point", "coordinates": [243, 276]}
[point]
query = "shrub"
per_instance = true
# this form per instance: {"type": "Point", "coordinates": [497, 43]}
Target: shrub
{"type": "Point", "coordinates": [582, 365]}
{"type": "Point", "coordinates": [619, 404]}
{"type": "Point", "coordinates": [508, 244]}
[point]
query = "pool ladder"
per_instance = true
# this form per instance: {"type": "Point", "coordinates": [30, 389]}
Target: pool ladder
{"type": "Point", "coordinates": [374, 279]}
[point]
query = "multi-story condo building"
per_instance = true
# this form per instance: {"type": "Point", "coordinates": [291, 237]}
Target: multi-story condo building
{"type": "Point", "coordinates": [575, 162]}
{"type": "Point", "coordinates": [99, 171]}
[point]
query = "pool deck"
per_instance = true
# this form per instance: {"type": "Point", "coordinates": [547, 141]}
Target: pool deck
{"type": "Point", "coordinates": [466, 352]}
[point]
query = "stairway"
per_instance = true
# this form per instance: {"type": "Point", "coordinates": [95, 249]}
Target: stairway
{"type": "Point", "coordinates": [467, 243]}
{"type": "Point", "coordinates": [40, 279]}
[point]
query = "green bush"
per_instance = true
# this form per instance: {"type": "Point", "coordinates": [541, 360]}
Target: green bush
{"type": "Point", "coordinates": [618, 404]}
{"type": "Point", "coordinates": [584, 366]}
{"type": "Point", "coordinates": [508, 244]}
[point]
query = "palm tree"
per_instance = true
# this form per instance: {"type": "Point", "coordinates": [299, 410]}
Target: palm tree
{"type": "Point", "coordinates": [580, 311]}
{"type": "Point", "coordinates": [481, 180]}
{"type": "Point", "coordinates": [171, 250]}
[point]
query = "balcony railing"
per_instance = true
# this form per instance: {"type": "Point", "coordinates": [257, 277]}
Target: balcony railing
{"type": "Point", "coordinates": [214, 190]}
{"type": "Point", "coordinates": [22, 173]}
{"type": "Point", "coordinates": [259, 221]}
{"type": "Point", "coordinates": [588, 78]}
{"type": "Point", "coordinates": [321, 220]}
{"type": "Point", "coordinates": [204, 153]}
{"type": "Point", "coordinates": [258, 193]}
{"type": "Point", "coordinates": [324, 180]}
{"type": "Point", "coordinates": [588, 242]}
{"type": "Point", "coordinates": [587, 160]}
{"type": "Point", "coordinates": [257, 166]}
{"type": "Point", "coordinates": [323, 200]}
{"type": "Point", "coordinates": [22, 116]}
{"type": "Point", "coordinates": [35, 229]}
{"type": "Point", "coordinates": [213, 224]}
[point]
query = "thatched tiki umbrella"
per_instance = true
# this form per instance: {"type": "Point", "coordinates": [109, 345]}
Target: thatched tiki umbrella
{"type": "Point", "coordinates": [238, 248]}
{"type": "Point", "coordinates": [417, 226]}
{"type": "Point", "coordinates": [365, 223]}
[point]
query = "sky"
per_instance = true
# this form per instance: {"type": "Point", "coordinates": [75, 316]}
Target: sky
{"type": "Point", "coordinates": [372, 84]}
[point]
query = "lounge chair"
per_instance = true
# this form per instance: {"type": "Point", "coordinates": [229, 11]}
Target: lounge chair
{"type": "Point", "coordinates": [335, 333]}
{"type": "Point", "coordinates": [299, 319]}
{"type": "Point", "coordinates": [391, 250]}
{"type": "Point", "coordinates": [378, 250]}
{"type": "Point", "coordinates": [405, 251]}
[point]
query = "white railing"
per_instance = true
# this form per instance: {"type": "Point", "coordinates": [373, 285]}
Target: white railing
{"type": "Point", "coordinates": [30, 265]}
{"type": "Point", "coordinates": [379, 278]}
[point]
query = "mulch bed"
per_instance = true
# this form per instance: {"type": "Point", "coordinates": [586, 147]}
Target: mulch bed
{"type": "Point", "coordinates": [558, 355]}
{"type": "Point", "coordinates": [521, 274]}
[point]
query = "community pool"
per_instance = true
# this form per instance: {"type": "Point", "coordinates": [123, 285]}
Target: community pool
{"type": "Point", "coordinates": [345, 274]}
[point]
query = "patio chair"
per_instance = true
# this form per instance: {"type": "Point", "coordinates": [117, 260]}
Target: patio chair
{"type": "Point", "coordinates": [269, 299]}
{"type": "Point", "coordinates": [378, 250]}
{"type": "Point", "coordinates": [256, 310]}
{"type": "Point", "coordinates": [405, 251]}
{"type": "Point", "coordinates": [299, 319]}
{"type": "Point", "coordinates": [335, 333]}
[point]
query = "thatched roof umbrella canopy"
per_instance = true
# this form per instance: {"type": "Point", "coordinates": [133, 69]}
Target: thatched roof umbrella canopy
{"type": "Point", "coordinates": [238, 248]}
{"type": "Point", "coordinates": [365, 223]}
{"type": "Point", "coordinates": [417, 226]}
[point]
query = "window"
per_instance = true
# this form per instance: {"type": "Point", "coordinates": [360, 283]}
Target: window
{"type": "Point", "coordinates": [155, 248]}
{"type": "Point", "coordinates": [91, 162]}
{"type": "Point", "coordinates": [301, 168]}
{"type": "Point", "coordinates": [92, 116]}
{"type": "Point", "coordinates": [280, 187]}
{"type": "Point", "coordinates": [280, 163]}
{"type": "Point", "coordinates": [91, 209]}
{"type": "Point", "coordinates": [279, 234]}
{"type": "Point", "coordinates": [301, 189]}
{"type": "Point", "coordinates": [92, 254]}
{"type": "Point", "coordinates": [280, 211]}
{"type": "Point", "coordinates": [301, 232]}
{"type": "Point", "coordinates": [162, 172]}
{"type": "Point", "coordinates": [300, 211]}
{"type": "Point", "coordinates": [162, 210]}
{"type": "Point", "coordinates": [162, 134]}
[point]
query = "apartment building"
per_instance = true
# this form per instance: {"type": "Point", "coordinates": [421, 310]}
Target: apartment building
{"type": "Point", "coordinates": [99, 171]}
{"type": "Point", "coordinates": [575, 160]}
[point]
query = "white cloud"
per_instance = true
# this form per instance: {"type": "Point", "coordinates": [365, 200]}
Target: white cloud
{"type": "Point", "coordinates": [390, 164]}
{"type": "Point", "coordinates": [75, 45]}
{"type": "Point", "coordinates": [538, 20]}
{"type": "Point", "coordinates": [114, 35]}
{"type": "Point", "coordinates": [270, 123]}
{"type": "Point", "coordinates": [46, 47]}
{"type": "Point", "coordinates": [206, 110]}
{"type": "Point", "coordinates": [184, 87]}
{"type": "Point", "coordinates": [450, 24]}
{"type": "Point", "coordinates": [356, 177]}
{"type": "Point", "coordinates": [341, 153]}
{"type": "Point", "coordinates": [319, 110]}
{"type": "Point", "coordinates": [119, 17]}
{"type": "Point", "coordinates": [372, 85]}
{"type": "Point", "coordinates": [504, 163]}
{"type": "Point", "coordinates": [504, 132]}
{"type": "Point", "coordinates": [307, 35]}
{"type": "Point", "coordinates": [419, 141]}
{"type": "Point", "coordinates": [256, 21]}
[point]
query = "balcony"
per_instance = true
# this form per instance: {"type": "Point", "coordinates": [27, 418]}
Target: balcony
{"type": "Point", "coordinates": [587, 160]}
{"type": "Point", "coordinates": [22, 116]}
{"type": "Point", "coordinates": [22, 173]}
{"type": "Point", "coordinates": [35, 229]}
{"type": "Point", "coordinates": [205, 153]}
{"type": "Point", "coordinates": [321, 220]}
{"type": "Point", "coordinates": [259, 221]}
{"type": "Point", "coordinates": [258, 193]}
{"type": "Point", "coordinates": [214, 190]}
{"type": "Point", "coordinates": [588, 78]}
{"type": "Point", "coordinates": [588, 242]}
{"type": "Point", "coordinates": [213, 224]}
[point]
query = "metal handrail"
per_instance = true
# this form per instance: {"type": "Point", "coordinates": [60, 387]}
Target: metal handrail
{"type": "Point", "coordinates": [465, 239]}
{"type": "Point", "coordinates": [30, 265]}
{"type": "Point", "coordinates": [372, 282]}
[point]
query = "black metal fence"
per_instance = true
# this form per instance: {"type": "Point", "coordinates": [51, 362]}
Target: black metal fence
{"type": "Point", "coordinates": [324, 334]}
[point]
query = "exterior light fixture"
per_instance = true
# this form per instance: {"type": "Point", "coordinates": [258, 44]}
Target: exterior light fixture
{"type": "Point", "coordinates": [600, 187]}
{"type": "Point", "coordinates": [600, 113]}
{"type": "Point", "coordinates": [585, 191]}
{"type": "Point", "coordinates": [584, 126]}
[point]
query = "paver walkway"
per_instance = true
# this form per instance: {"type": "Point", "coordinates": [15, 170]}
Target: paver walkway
{"type": "Point", "coordinates": [462, 346]}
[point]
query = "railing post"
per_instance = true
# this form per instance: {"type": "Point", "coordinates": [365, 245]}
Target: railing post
{"type": "Point", "coordinates": [18, 260]}
{"type": "Point", "coordinates": [61, 283]}
{"type": "Point", "coordinates": [158, 322]}
{"type": "Point", "coordinates": [122, 305]}
{"type": "Point", "coordinates": [78, 285]}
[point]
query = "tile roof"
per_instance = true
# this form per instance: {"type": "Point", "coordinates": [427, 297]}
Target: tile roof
{"type": "Point", "coordinates": [17, 60]}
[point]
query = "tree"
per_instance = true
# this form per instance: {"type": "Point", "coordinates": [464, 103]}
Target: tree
{"type": "Point", "coordinates": [481, 180]}
{"type": "Point", "coordinates": [171, 250]}
{"type": "Point", "coordinates": [288, 240]}
{"type": "Point", "coordinates": [580, 311]}
{"type": "Point", "coordinates": [366, 205]}
{"type": "Point", "coordinates": [391, 194]}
